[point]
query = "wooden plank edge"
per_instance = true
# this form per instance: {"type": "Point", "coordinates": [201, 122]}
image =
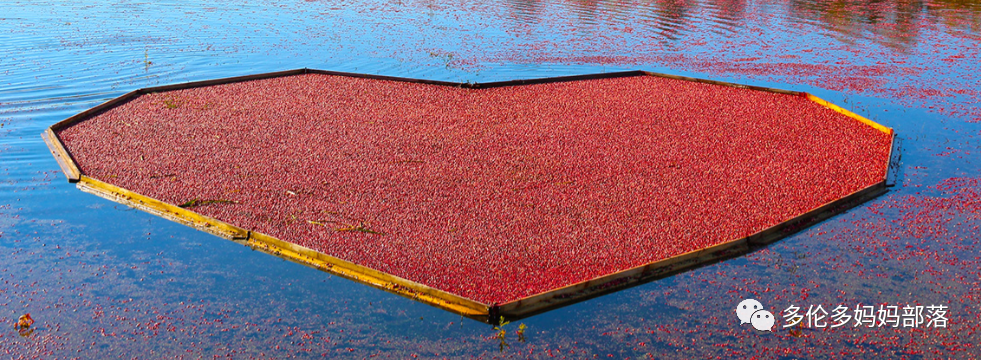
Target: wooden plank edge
{"type": "Point", "coordinates": [817, 215]}
{"type": "Point", "coordinates": [556, 79]}
{"type": "Point", "coordinates": [723, 83]}
{"type": "Point", "coordinates": [289, 251]}
{"type": "Point", "coordinates": [368, 276]}
{"type": "Point", "coordinates": [65, 162]}
{"type": "Point", "coordinates": [488, 85]}
{"type": "Point", "coordinates": [136, 93]}
{"type": "Point", "coordinates": [629, 73]}
{"type": "Point", "coordinates": [639, 275]}
{"type": "Point", "coordinates": [609, 75]}
{"type": "Point", "coordinates": [221, 81]}
{"type": "Point", "coordinates": [390, 78]}
{"type": "Point", "coordinates": [162, 209]}
{"type": "Point", "coordinates": [892, 148]}
{"type": "Point", "coordinates": [98, 108]}
{"type": "Point", "coordinates": [579, 292]}
{"type": "Point", "coordinates": [850, 114]}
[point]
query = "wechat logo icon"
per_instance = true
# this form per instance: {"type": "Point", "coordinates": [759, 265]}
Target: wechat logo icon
{"type": "Point", "coordinates": [751, 311]}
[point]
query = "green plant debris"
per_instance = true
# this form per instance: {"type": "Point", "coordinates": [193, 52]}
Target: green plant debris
{"type": "Point", "coordinates": [170, 103]}
{"type": "Point", "coordinates": [502, 323]}
{"type": "Point", "coordinates": [521, 332]}
{"type": "Point", "coordinates": [293, 215]}
{"type": "Point", "coordinates": [200, 202]}
{"type": "Point", "coordinates": [502, 334]}
{"type": "Point", "coordinates": [446, 57]}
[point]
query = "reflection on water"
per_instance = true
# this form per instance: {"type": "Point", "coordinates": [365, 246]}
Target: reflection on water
{"type": "Point", "coordinates": [728, 14]}
{"type": "Point", "coordinates": [895, 23]}
{"type": "Point", "coordinates": [671, 15]}
{"type": "Point", "coordinates": [524, 11]}
{"type": "Point", "coordinates": [958, 14]}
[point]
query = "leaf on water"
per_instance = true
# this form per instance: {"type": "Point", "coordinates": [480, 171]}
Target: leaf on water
{"type": "Point", "coordinates": [25, 321]}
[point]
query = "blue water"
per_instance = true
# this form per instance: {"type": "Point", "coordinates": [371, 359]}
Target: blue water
{"type": "Point", "coordinates": [102, 279]}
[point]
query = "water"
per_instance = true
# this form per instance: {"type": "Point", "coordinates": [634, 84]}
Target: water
{"type": "Point", "coordinates": [105, 280]}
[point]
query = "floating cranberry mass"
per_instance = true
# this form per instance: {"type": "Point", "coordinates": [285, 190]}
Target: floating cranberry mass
{"type": "Point", "coordinates": [488, 200]}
